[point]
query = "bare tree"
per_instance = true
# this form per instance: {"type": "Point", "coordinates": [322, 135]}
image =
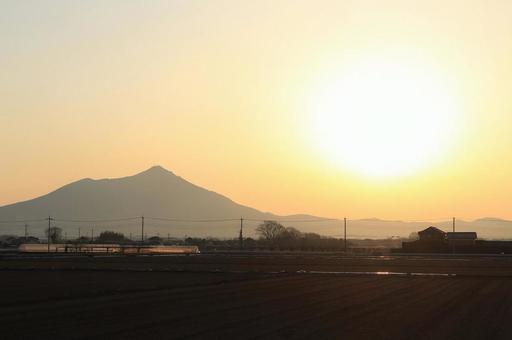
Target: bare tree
{"type": "Point", "coordinates": [55, 235]}
{"type": "Point", "coordinates": [292, 234]}
{"type": "Point", "coordinates": [270, 230]}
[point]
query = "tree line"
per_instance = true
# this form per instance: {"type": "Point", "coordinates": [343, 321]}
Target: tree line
{"type": "Point", "coordinates": [270, 235]}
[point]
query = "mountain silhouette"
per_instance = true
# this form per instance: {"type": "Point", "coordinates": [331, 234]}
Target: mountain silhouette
{"type": "Point", "coordinates": [154, 192]}
{"type": "Point", "coordinates": [158, 193]}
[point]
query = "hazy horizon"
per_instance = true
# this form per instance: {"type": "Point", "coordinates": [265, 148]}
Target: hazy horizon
{"type": "Point", "coordinates": [174, 206]}
{"type": "Point", "coordinates": [158, 168]}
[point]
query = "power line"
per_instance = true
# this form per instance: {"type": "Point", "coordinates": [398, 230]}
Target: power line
{"type": "Point", "coordinates": [227, 219]}
{"type": "Point", "coordinates": [441, 219]}
{"type": "Point", "coordinates": [291, 221]}
{"type": "Point", "coordinates": [98, 221]}
{"type": "Point", "coordinates": [192, 220]}
{"type": "Point", "coordinates": [345, 233]}
{"type": "Point", "coordinates": [241, 236]}
{"type": "Point", "coordinates": [142, 233]}
{"type": "Point", "coordinates": [24, 221]}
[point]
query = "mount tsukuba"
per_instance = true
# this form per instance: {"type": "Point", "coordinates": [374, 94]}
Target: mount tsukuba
{"type": "Point", "coordinates": [177, 207]}
{"type": "Point", "coordinates": [155, 192]}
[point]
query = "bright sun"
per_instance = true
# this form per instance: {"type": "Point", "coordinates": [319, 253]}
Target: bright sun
{"type": "Point", "coordinates": [383, 119]}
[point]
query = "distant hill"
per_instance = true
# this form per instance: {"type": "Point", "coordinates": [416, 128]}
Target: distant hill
{"type": "Point", "coordinates": [155, 192]}
{"type": "Point", "coordinates": [159, 193]}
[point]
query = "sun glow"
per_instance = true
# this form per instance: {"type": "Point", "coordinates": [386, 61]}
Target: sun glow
{"type": "Point", "coordinates": [384, 119]}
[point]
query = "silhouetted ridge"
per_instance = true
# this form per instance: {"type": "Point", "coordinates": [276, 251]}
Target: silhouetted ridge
{"type": "Point", "coordinates": [157, 192]}
{"type": "Point", "coordinates": [156, 170]}
{"type": "Point", "coordinates": [153, 192]}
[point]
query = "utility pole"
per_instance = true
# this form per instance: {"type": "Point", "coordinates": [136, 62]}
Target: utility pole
{"type": "Point", "coordinates": [50, 219]}
{"type": "Point", "coordinates": [92, 235]}
{"type": "Point", "coordinates": [26, 232]}
{"type": "Point", "coordinates": [241, 237]}
{"type": "Point", "coordinates": [78, 233]}
{"type": "Point", "coordinates": [345, 232]}
{"type": "Point", "coordinates": [453, 222]}
{"type": "Point", "coordinates": [142, 232]}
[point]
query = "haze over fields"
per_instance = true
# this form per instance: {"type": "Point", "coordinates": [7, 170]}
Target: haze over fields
{"type": "Point", "coordinates": [160, 194]}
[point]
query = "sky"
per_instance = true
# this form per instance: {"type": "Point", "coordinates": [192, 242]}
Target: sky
{"type": "Point", "coordinates": [259, 101]}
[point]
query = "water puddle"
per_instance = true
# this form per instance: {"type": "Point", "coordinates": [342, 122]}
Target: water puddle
{"type": "Point", "coordinates": [373, 273]}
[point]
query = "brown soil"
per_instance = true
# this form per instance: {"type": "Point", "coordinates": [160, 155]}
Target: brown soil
{"type": "Point", "coordinates": [184, 297]}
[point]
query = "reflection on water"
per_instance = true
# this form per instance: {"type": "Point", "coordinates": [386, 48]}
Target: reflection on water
{"type": "Point", "coordinates": [373, 273]}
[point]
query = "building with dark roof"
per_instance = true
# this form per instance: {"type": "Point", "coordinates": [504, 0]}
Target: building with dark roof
{"type": "Point", "coordinates": [432, 234]}
{"type": "Point", "coordinates": [434, 240]}
{"type": "Point", "coordinates": [461, 238]}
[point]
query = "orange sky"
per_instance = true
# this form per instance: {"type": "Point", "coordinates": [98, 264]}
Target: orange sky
{"type": "Point", "coordinates": [217, 92]}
